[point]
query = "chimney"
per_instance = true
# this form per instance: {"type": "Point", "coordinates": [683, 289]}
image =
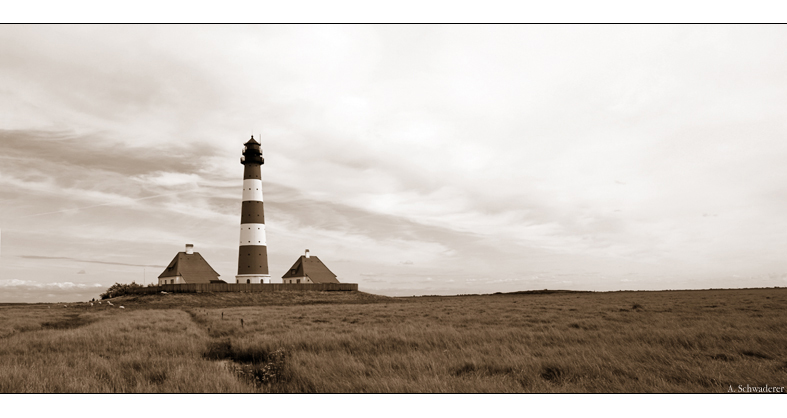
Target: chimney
{"type": "Point", "coordinates": [189, 248]}
{"type": "Point", "coordinates": [307, 253]}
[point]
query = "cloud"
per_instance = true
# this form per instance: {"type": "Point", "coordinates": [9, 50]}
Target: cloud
{"type": "Point", "coordinates": [47, 285]}
{"type": "Point", "coordinates": [169, 179]}
{"type": "Point", "coordinates": [98, 152]}
{"type": "Point", "coordinates": [88, 168]}
{"type": "Point", "coordinates": [16, 290]}
{"type": "Point", "coordinates": [42, 257]}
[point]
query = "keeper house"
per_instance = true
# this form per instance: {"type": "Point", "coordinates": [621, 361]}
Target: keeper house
{"type": "Point", "coordinates": [189, 267]}
{"type": "Point", "coordinates": [308, 270]}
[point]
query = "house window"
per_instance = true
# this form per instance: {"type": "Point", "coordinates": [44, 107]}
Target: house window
{"type": "Point", "coordinates": [248, 281]}
{"type": "Point", "coordinates": [299, 280]}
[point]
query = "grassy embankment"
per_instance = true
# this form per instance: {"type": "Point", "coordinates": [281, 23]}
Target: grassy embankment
{"type": "Point", "coordinates": [686, 341]}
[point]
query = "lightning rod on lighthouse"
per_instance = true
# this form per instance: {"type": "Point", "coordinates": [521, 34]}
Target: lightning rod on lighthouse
{"type": "Point", "coordinates": [253, 253]}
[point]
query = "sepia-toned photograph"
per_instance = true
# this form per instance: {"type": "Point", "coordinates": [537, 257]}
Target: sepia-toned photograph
{"type": "Point", "coordinates": [393, 209]}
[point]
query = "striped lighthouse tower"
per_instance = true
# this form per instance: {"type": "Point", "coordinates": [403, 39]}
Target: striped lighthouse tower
{"type": "Point", "coordinates": [253, 254]}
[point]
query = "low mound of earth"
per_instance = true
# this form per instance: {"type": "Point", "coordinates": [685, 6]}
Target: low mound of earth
{"type": "Point", "coordinates": [225, 299]}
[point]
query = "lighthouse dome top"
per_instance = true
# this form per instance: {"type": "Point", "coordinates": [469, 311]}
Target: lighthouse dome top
{"type": "Point", "coordinates": [252, 141]}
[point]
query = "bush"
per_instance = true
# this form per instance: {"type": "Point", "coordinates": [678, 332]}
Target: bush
{"type": "Point", "coordinates": [257, 365]}
{"type": "Point", "coordinates": [120, 289]}
{"type": "Point", "coordinates": [273, 370]}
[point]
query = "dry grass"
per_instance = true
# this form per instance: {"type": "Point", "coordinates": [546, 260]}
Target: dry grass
{"type": "Point", "coordinates": [688, 341]}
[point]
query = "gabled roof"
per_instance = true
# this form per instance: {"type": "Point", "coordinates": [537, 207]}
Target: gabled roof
{"type": "Point", "coordinates": [192, 267]}
{"type": "Point", "coordinates": [312, 268]}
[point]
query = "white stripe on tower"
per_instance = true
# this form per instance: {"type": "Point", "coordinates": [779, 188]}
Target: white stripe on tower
{"type": "Point", "coordinates": [252, 190]}
{"type": "Point", "coordinates": [252, 234]}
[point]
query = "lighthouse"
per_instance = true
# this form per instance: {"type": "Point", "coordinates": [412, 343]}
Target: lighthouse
{"type": "Point", "coordinates": [253, 254]}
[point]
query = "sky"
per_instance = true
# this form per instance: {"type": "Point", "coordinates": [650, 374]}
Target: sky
{"type": "Point", "coordinates": [412, 160]}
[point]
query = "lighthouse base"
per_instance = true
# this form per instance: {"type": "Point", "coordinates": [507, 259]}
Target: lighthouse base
{"type": "Point", "coordinates": [253, 278]}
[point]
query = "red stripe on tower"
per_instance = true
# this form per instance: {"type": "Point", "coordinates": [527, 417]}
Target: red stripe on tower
{"type": "Point", "coordinates": [253, 254]}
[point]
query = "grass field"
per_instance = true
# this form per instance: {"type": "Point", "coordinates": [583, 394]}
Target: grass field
{"type": "Point", "coordinates": [678, 341]}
